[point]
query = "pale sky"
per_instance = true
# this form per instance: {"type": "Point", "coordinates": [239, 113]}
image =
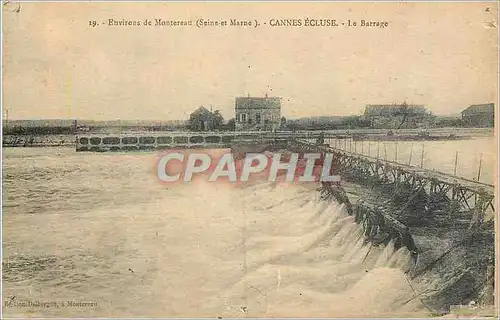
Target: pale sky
{"type": "Point", "coordinates": [443, 55]}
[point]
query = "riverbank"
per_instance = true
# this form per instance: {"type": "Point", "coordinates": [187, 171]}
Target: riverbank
{"type": "Point", "coordinates": [65, 140]}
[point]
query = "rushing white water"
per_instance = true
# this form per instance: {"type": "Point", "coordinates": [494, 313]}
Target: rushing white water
{"type": "Point", "coordinates": [101, 228]}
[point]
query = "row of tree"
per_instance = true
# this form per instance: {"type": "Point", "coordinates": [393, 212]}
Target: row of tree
{"type": "Point", "coordinates": [349, 122]}
{"type": "Point", "coordinates": [219, 124]}
{"type": "Point", "coordinates": [36, 130]}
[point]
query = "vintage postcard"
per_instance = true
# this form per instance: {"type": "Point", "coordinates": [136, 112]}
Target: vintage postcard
{"type": "Point", "coordinates": [249, 159]}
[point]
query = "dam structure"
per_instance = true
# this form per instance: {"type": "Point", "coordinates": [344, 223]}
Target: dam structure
{"type": "Point", "coordinates": [443, 220]}
{"type": "Point", "coordinates": [467, 194]}
{"type": "Point", "coordinates": [174, 140]}
{"type": "Point", "coordinates": [101, 142]}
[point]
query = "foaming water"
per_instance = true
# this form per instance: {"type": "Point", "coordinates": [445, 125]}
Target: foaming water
{"type": "Point", "coordinates": [315, 263]}
{"type": "Point", "coordinates": [201, 250]}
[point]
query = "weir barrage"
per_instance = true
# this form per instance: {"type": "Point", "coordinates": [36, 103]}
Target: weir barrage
{"type": "Point", "coordinates": [443, 220]}
{"type": "Point", "coordinates": [264, 249]}
{"type": "Point", "coordinates": [446, 222]}
{"type": "Point", "coordinates": [100, 142]}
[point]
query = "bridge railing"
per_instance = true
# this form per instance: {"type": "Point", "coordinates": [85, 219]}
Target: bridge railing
{"type": "Point", "coordinates": [460, 163]}
{"type": "Point", "coordinates": [470, 195]}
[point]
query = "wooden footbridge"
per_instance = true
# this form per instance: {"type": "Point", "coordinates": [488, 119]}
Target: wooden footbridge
{"type": "Point", "coordinates": [442, 191]}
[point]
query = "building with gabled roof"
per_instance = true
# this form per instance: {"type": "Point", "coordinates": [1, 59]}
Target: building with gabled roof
{"type": "Point", "coordinates": [203, 119]}
{"type": "Point", "coordinates": [396, 116]}
{"type": "Point", "coordinates": [257, 113]}
{"type": "Point", "coordinates": [479, 115]}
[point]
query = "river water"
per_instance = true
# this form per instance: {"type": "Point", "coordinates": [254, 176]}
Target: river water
{"type": "Point", "coordinates": [101, 229]}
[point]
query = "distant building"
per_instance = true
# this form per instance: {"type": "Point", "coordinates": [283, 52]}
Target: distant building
{"type": "Point", "coordinates": [479, 115]}
{"type": "Point", "coordinates": [396, 116]}
{"type": "Point", "coordinates": [203, 119]}
{"type": "Point", "coordinates": [257, 113]}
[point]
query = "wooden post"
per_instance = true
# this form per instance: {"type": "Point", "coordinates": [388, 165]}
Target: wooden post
{"type": "Point", "coordinates": [385, 152]}
{"type": "Point", "coordinates": [368, 147]}
{"type": "Point", "coordinates": [422, 157]}
{"type": "Point", "coordinates": [396, 154]}
{"type": "Point", "coordinates": [456, 162]}
{"type": "Point", "coordinates": [411, 153]}
{"type": "Point", "coordinates": [355, 146]}
{"type": "Point", "coordinates": [479, 169]}
{"type": "Point", "coordinates": [378, 149]}
{"type": "Point", "coordinates": [362, 147]}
